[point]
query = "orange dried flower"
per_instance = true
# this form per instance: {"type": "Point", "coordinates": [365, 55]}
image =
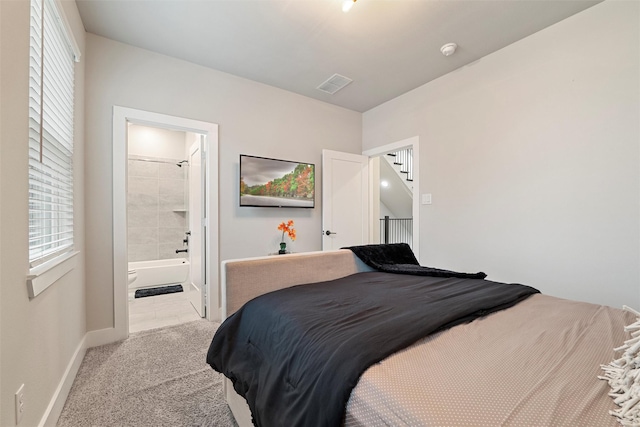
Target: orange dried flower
{"type": "Point", "coordinates": [287, 228]}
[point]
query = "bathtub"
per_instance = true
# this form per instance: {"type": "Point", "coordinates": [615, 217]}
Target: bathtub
{"type": "Point", "coordinates": [158, 273]}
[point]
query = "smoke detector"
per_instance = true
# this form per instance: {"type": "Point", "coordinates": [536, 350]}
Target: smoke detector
{"type": "Point", "coordinates": [448, 49]}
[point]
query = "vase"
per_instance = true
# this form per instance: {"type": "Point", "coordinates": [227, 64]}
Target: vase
{"type": "Point", "coordinates": [283, 248]}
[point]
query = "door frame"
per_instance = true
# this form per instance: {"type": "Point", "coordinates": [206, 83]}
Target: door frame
{"type": "Point", "coordinates": [121, 117]}
{"type": "Point", "coordinates": [414, 143]}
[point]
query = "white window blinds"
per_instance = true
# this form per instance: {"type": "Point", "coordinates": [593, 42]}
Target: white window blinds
{"type": "Point", "coordinates": [51, 74]}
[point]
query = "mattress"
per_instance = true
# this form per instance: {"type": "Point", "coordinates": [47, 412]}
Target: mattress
{"type": "Point", "coordinates": [533, 364]}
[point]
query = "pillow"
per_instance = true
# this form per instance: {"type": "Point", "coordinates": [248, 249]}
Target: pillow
{"type": "Point", "coordinates": [623, 375]}
{"type": "Point", "coordinates": [378, 255]}
{"type": "Point", "coordinates": [399, 258]}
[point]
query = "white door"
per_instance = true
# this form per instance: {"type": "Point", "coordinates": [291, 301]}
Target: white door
{"type": "Point", "coordinates": [197, 247]}
{"type": "Point", "coordinates": [345, 200]}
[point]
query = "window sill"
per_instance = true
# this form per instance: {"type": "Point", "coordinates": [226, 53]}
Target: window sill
{"type": "Point", "coordinates": [45, 275]}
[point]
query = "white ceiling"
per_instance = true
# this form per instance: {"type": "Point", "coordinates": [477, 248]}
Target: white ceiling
{"type": "Point", "coordinates": [388, 47]}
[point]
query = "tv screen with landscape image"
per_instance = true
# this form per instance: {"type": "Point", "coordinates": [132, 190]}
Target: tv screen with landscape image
{"type": "Point", "coordinates": [276, 183]}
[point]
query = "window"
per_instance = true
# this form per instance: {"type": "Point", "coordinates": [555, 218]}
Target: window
{"type": "Point", "coordinates": [51, 74]}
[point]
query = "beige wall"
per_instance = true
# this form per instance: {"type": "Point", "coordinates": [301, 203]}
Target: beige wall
{"type": "Point", "coordinates": [532, 157]}
{"type": "Point", "coordinates": [253, 119]}
{"type": "Point", "coordinates": [39, 336]}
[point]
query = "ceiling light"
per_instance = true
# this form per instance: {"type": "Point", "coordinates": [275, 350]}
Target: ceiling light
{"type": "Point", "coordinates": [347, 5]}
{"type": "Point", "coordinates": [384, 184]}
{"type": "Point", "coordinates": [448, 49]}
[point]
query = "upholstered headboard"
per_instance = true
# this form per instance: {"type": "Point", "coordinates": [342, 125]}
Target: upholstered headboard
{"type": "Point", "coordinates": [245, 279]}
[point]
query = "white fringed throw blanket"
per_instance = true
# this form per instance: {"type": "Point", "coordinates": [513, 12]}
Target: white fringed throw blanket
{"type": "Point", "coordinates": [623, 375]}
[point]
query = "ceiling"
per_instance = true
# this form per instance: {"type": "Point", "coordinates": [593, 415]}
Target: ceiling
{"type": "Point", "coordinates": [387, 47]}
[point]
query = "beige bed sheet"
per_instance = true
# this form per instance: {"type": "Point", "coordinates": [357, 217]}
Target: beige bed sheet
{"type": "Point", "coordinates": [535, 364]}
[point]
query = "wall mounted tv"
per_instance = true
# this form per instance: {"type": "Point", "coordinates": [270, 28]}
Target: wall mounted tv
{"type": "Point", "coordinates": [276, 183]}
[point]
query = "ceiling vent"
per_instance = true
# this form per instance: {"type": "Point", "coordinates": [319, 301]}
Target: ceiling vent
{"type": "Point", "coordinates": [334, 84]}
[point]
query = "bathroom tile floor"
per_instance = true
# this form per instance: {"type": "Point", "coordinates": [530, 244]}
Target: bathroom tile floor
{"type": "Point", "coordinates": [160, 310]}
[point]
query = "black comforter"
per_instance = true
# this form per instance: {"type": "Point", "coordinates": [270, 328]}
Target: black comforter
{"type": "Point", "coordinates": [297, 353]}
{"type": "Point", "coordinates": [399, 258]}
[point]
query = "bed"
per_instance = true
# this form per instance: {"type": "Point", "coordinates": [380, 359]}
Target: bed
{"type": "Point", "coordinates": [533, 363]}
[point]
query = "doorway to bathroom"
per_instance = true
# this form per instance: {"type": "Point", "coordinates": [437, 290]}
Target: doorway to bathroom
{"type": "Point", "coordinates": [164, 237]}
{"type": "Point", "coordinates": [165, 220]}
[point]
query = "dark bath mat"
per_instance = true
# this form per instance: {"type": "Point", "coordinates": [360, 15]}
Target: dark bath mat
{"type": "Point", "coordinates": [149, 292]}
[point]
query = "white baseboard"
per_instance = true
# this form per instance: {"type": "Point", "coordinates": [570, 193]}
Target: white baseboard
{"type": "Point", "coordinates": [105, 336]}
{"type": "Point", "coordinates": [91, 339]}
{"type": "Point", "coordinates": [53, 411]}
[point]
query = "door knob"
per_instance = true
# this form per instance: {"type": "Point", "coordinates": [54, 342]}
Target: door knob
{"type": "Point", "coordinates": [329, 233]}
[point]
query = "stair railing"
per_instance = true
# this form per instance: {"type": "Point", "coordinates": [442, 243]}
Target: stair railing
{"type": "Point", "coordinates": [404, 159]}
{"type": "Point", "coordinates": [396, 230]}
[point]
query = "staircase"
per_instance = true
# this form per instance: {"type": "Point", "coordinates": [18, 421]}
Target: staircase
{"type": "Point", "coordinates": [398, 199]}
{"type": "Point", "coordinates": [403, 163]}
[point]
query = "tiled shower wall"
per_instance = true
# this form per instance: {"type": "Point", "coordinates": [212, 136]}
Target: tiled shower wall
{"type": "Point", "coordinates": [156, 208]}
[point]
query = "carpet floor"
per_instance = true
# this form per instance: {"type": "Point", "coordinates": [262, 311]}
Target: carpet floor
{"type": "Point", "coordinates": [154, 378]}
